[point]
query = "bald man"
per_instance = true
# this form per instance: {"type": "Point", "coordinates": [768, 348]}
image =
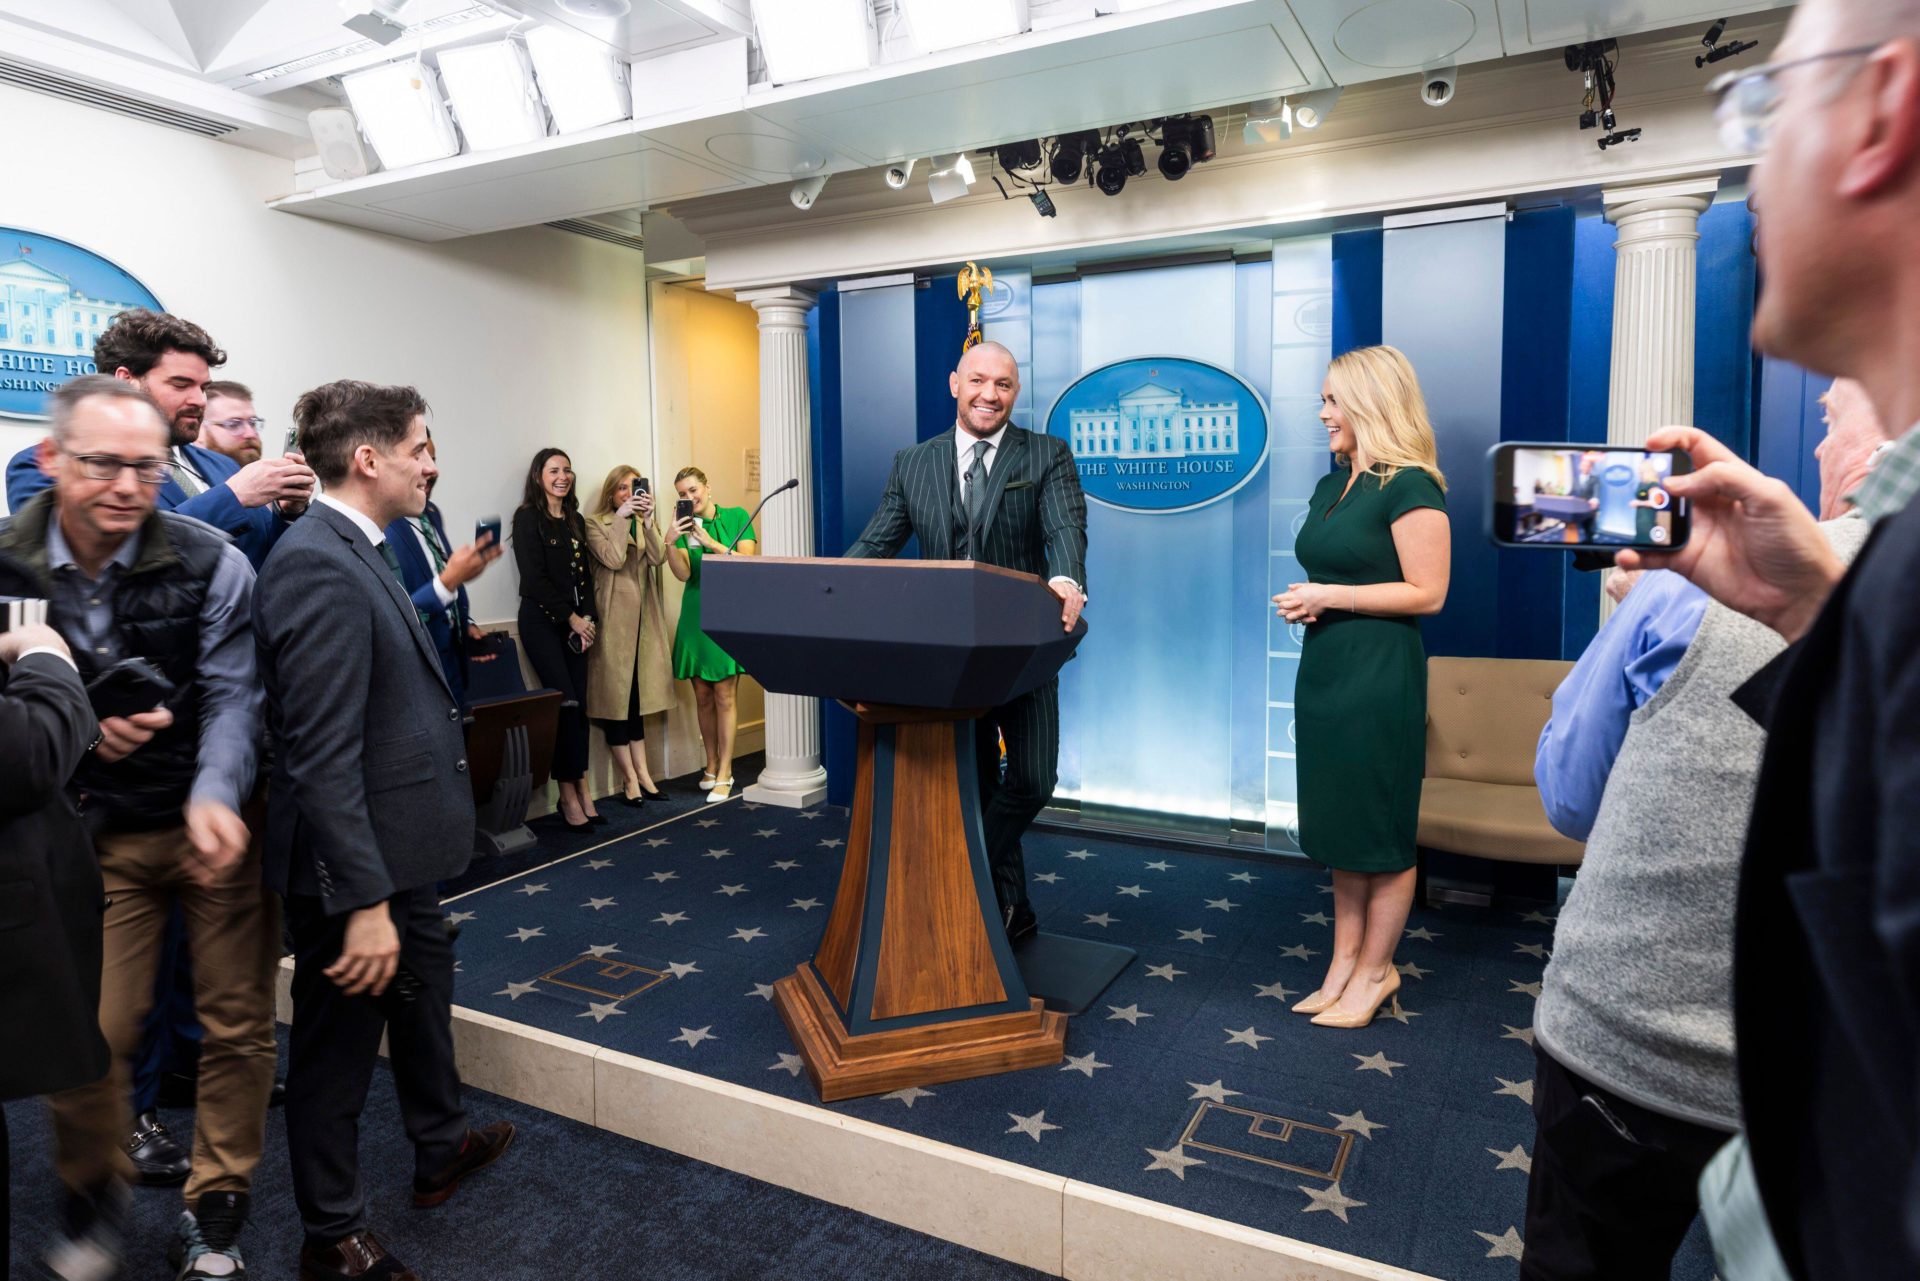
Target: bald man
{"type": "Point", "coordinates": [987, 491]}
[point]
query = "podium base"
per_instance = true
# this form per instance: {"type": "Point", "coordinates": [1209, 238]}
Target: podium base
{"type": "Point", "coordinates": [844, 1066]}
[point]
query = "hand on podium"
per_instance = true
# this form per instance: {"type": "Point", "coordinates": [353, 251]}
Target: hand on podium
{"type": "Point", "coordinates": [1072, 600]}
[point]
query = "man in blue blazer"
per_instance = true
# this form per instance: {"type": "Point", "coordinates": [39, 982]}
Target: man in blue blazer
{"type": "Point", "coordinates": [988, 491]}
{"type": "Point", "coordinates": [434, 571]}
{"type": "Point", "coordinates": [173, 360]}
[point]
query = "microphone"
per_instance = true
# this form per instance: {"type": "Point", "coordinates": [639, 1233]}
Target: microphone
{"type": "Point", "coordinates": [792, 484]}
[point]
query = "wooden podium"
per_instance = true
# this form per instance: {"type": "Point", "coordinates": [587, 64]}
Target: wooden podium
{"type": "Point", "coordinates": [913, 981]}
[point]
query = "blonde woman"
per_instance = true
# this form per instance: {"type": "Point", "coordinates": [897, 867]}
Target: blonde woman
{"type": "Point", "coordinates": [710, 530]}
{"type": "Point", "coordinates": [627, 673]}
{"type": "Point", "coordinates": [1376, 548]}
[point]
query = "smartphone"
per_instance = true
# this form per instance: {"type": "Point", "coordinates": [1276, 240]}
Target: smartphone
{"type": "Point", "coordinates": [1583, 497]}
{"type": "Point", "coordinates": [130, 686]}
{"type": "Point", "coordinates": [486, 530]}
{"type": "Point", "coordinates": [683, 510]}
{"type": "Point", "coordinates": [641, 486]}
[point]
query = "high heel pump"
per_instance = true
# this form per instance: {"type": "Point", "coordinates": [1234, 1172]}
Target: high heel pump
{"type": "Point", "coordinates": [1334, 1018]}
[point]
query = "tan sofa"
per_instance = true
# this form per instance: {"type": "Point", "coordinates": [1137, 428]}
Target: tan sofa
{"type": "Point", "coordinates": [1484, 717]}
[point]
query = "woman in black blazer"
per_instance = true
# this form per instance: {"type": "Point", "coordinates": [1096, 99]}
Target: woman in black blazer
{"type": "Point", "coordinates": [557, 617]}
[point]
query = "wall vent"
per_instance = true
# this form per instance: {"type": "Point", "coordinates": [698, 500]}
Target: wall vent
{"type": "Point", "coordinates": [39, 81]}
{"type": "Point", "coordinates": [581, 227]}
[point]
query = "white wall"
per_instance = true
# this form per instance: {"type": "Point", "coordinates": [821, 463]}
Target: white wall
{"type": "Point", "coordinates": [517, 340]}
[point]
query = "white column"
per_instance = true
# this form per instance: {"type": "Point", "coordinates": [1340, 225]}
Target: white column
{"type": "Point", "coordinates": [793, 776]}
{"type": "Point", "coordinates": [1655, 257]}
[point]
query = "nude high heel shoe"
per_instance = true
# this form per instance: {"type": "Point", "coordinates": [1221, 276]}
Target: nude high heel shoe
{"type": "Point", "coordinates": [1333, 1018]}
{"type": "Point", "coordinates": [1317, 1002]}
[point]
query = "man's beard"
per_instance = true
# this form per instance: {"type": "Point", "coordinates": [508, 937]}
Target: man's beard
{"type": "Point", "coordinates": [186, 429]}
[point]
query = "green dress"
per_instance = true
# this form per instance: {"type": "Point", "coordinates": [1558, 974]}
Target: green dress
{"type": "Point", "coordinates": [1360, 702]}
{"type": "Point", "coordinates": [694, 655]}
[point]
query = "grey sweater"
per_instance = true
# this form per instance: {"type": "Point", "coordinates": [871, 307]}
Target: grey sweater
{"type": "Point", "coordinates": [1638, 997]}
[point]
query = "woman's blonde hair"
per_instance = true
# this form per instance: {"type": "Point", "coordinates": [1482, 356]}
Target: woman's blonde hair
{"type": "Point", "coordinates": [1379, 393]}
{"type": "Point", "coordinates": [606, 505]}
{"type": "Point", "coordinates": [694, 472]}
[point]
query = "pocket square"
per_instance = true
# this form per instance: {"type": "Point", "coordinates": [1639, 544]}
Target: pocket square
{"type": "Point", "coordinates": [1019, 484]}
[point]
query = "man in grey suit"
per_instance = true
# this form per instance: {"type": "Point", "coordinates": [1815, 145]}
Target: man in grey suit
{"type": "Point", "coordinates": [369, 807]}
{"type": "Point", "coordinates": [994, 493]}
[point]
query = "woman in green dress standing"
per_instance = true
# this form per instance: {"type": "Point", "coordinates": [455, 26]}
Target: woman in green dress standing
{"type": "Point", "coordinates": [1376, 548]}
{"type": "Point", "coordinates": [710, 531]}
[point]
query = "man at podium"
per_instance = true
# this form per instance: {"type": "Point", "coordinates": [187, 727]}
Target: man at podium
{"type": "Point", "coordinates": [991, 492]}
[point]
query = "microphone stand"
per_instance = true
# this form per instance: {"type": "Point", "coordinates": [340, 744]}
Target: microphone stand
{"type": "Point", "coordinates": [792, 484]}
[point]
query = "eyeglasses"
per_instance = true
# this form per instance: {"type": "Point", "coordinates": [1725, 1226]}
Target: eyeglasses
{"type": "Point", "coordinates": [238, 425]}
{"type": "Point", "coordinates": [151, 471]}
{"type": "Point", "coordinates": [1748, 100]}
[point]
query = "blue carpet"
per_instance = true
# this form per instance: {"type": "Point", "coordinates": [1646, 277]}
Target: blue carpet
{"type": "Point", "coordinates": [567, 1201]}
{"type": "Point", "coordinates": [1189, 1082]}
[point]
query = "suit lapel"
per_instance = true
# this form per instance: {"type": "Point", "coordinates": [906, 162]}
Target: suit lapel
{"type": "Point", "coordinates": [376, 564]}
{"type": "Point", "coordinates": [1013, 454]}
{"type": "Point", "coordinates": [946, 493]}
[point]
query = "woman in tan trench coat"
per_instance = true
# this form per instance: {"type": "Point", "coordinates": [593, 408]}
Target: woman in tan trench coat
{"type": "Point", "coordinates": [628, 676]}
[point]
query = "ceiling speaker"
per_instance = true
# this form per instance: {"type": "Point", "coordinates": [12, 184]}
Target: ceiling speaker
{"type": "Point", "coordinates": [343, 152]}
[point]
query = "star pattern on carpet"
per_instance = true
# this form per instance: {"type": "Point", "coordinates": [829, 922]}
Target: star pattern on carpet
{"type": "Point", "coordinates": [1080, 854]}
{"type": "Point", "coordinates": [1522, 1090]}
{"type": "Point", "coordinates": [514, 991]}
{"type": "Point", "coordinates": [692, 1036]}
{"type": "Point", "coordinates": [1047, 878]}
{"type": "Point", "coordinates": [1248, 1036]}
{"type": "Point", "coordinates": [594, 865]}
{"type": "Point", "coordinates": [680, 969]}
{"type": "Point", "coordinates": [1507, 1245]}
{"type": "Point", "coordinates": [1516, 988]}
{"type": "Point", "coordinates": [599, 904]}
{"type": "Point", "coordinates": [655, 842]}
{"type": "Point", "coordinates": [598, 950]}
{"type": "Point", "coordinates": [708, 822]}
{"type": "Point", "coordinates": [832, 843]}
{"type": "Point", "coordinates": [1101, 919]}
{"type": "Point", "coordinates": [1166, 971]}
{"type": "Point", "coordinates": [909, 1096]}
{"type": "Point", "coordinates": [748, 934]}
{"type": "Point", "coordinates": [1398, 1013]}
{"type": "Point", "coordinates": [718, 854]}
{"type": "Point", "coordinates": [1356, 1122]}
{"type": "Point", "coordinates": [1515, 1158]}
{"type": "Point", "coordinates": [1131, 1013]}
{"type": "Point", "coordinates": [528, 932]}
{"type": "Point", "coordinates": [671, 918]}
{"type": "Point", "coordinates": [1536, 917]}
{"type": "Point", "coordinates": [808, 814]}
{"type": "Point", "coordinates": [1130, 891]}
{"type": "Point", "coordinates": [731, 890]}
{"type": "Point", "coordinates": [1245, 878]}
{"type": "Point", "coordinates": [1412, 971]}
{"type": "Point", "coordinates": [1331, 1199]}
{"type": "Point", "coordinates": [805, 904]}
{"type": "Point", "coordinates": [600, 1011]}
{"type": "Point", "coordinates": [1222, 904]}
{"type": "Point", "coordinates": [791, 1064]}
{"type": "Point", "coordinates": [1277, 990]}
{"type": "Point", "coordinates": [1376, 1062]}
{"type": "Point", "coordinates": [784, 865]}
{"type": "Point", "coordinates": [1424, 934]}
{"type": "Point", "coordinates": [663, 877]}
{"type": "Point", "coordinates": [1315, 918]}
{"type": "Point", "coordinates": [764, 832]}
{"type": "Point", "coordinates": [1084, 1063]}
{"type": "Point", "coordinates": [762, 990]}
{"type": "Point", "coordinates": [530, 889]}
{"type": "Point", "coordinates": [1174, 1161]}
{"type": "Point", "coordinates": [1216, 1092]}
{"type": "Point", "coordinates": [1159, 865]}
{"type": "Point", "coordinates": [460, 918]}
{"type": "Point", "coordinates": [1538, 951]}
{"type": "Point", "coordinates": [1196, 936]}
{"type": "Point", "coordinates": [1299, 951]}
{"type": "Point", "coordinates": [1512, 1033]}
{"type": "Point", "coordinates": [1031, 1126]}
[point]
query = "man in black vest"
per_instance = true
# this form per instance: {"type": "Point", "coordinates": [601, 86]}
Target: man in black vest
{"type": "Point", "coordinates": [161, 790]}
{"type": "Point", "coordinates": [992, 492]}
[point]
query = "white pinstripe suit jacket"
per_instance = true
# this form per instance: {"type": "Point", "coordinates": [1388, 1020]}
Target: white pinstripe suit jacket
{"type": "Point", "coordinates": [1034, 520]}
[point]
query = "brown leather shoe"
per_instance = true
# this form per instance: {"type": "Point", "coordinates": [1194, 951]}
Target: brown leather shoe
{"type": "Point", "coordinates": [480, 1150]}
{"type": "Point", "coordinates": [360, 1255]}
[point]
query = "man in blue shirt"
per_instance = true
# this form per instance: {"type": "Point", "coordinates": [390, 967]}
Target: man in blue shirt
{"type": "Point", "coordinates": [172, 360]}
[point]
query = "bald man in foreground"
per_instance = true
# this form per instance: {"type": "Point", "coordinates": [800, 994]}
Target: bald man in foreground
{"type": "Point", "coordinates": [985, 490]}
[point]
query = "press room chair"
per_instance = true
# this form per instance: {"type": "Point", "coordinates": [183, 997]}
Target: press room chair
{"type": "Point", "coordinates": [510, 735]}
{"type": "Point", "coordinates": [1484, 717]}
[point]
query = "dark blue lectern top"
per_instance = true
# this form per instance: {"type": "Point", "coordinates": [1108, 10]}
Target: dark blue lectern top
{"type": "Point", "coordinates": [917, 633]}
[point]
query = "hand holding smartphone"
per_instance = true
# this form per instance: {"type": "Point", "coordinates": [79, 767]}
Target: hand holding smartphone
{"type": "Point", "coordinates": [1587, 497]}
{"type": "Point", "coordinates": [486, 531]}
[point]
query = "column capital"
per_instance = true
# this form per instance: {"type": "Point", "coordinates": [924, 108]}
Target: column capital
{"type": "Point", "coordinates": [777, 298]}
{"type": "Point", "coordinates": [1679, 195]}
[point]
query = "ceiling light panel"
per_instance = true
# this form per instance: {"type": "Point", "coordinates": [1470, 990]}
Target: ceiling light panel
{"type": "Point", "coordinates": [491, 89]}
{"type": "Point", "coordinates": [808, 39]}
{"type": "Point", "coordinates": [936, 25]}
{"type": "Point", "coordinates": [584, 84]}
{"type": "Point", "coordinates": [402, 114]}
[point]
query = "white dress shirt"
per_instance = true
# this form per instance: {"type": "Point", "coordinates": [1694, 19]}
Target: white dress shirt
{"type": "Point", "coordinates": [377, 536]}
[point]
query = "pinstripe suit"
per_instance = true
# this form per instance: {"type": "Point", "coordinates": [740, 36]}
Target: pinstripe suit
{"type": "Point", "coordinates": [1034, 519]}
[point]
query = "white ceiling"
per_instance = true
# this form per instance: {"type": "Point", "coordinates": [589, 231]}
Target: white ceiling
{"type": "Point", "coordinates": [701, 129]}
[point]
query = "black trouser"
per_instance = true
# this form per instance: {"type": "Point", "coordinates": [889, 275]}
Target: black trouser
{"type": "Point", "coordinates": [332, 1049]}
{"type": "Point", "coordinates": [1031, 726]}
{"type": "Point", "coordinates": [631, 730]}
{"type": "Point", "coordinates": [1614, 1187]}
{"type": "Point", "coordinates": [559, 667]}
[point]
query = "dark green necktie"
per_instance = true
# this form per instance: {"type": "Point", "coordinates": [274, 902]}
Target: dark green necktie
{"type": "Point", "coordinates": [393, 563]}
{"type": "Point", "coordinates": [439, 567]}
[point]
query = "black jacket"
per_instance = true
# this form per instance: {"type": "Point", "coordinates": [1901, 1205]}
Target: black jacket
{"type": "Point", "coordinates": [543, 553]}
{"type": "Point", "coordinates": [50, 896]}
{"type": "Point", "coordinates": [1827, 934]}
{"type": "Point", "coordinates": [370, 792]}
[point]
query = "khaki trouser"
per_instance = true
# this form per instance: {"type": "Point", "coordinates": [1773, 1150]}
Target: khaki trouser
{"type": "Point", "coordinates": [233, 936]}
